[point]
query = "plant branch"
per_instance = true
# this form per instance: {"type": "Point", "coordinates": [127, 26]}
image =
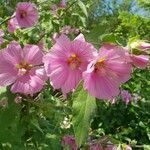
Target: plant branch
{"type": "Point", "coordinates": [6, 20]}
{"type": "Point", "coordinates": [71, 5]}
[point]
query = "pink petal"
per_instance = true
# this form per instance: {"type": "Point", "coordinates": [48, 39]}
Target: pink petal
{"type": "Point", "coordinates": [119, 70]}
{"type": "Point", "coordinates": [73, 79]}
{"type": "Point", "coordinates": [13, 53]}
{"type": "Point", "coordinates": [8, 73]}
{"type": "Point", "coordinates": [7, 79]}
{"type": "Point", "coordinates": [82, 49]}
{"type": "Point", "coordinates": [52, 62]}
{"type": "Point", "coordinates": [62, 77]}
{"type": "Point", "coordinates": [37, 80]}
{"type": "Point", "coordinates": [32, 54]}
{"type": "Point", "coordinates": [144, 46]}
{"type": "Point", "coordinates": [21, 87]}
{"type": "Point", "coordinates": [140, 61]}
{"type": "Point", "coordinates": [80, 37]}
{"type": "Point", "coordinates": [102, 87]}
{"type": "Point", "coordinates": [59, 76]}
{"type": "Point", "coordinates": [30, 83]}
{"type": "Point", "coordinates": [112, 52]}
{"type": "Point", "coordinates": [9, 58]}
{"type": "Point", "coordinates": [62, 3]}
{"type": "Point", "coordinates": [62, 43]}
{"type": "Point", "coordinates": [12, 25]}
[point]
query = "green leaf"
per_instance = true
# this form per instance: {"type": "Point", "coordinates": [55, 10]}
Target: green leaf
{"type": "Point", "coordinates": [108, 38]}
{"type": "Point", "coordinates": [35, 123]}
{"type": "Point", "coordinates": [112, 38]}
{"type": "Point", "coordinates": [146, 147]}
{"type": "Point", "coordinates": [84, 107]}
{"type": "Point", "coordinates": [83, 7]}
{"type": "Point", "coordinates": [2, 92]}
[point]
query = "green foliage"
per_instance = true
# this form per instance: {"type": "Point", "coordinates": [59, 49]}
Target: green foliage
{"type": "Point", "coordinates": [144, 4]}
{"type": "Point", "coordinates": [40, 122]}
{"type": "Point", "coordinates": [127, 126]}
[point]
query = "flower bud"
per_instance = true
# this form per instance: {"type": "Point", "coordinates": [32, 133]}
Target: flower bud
{"type": "Point", "coordinates": [140, 45]}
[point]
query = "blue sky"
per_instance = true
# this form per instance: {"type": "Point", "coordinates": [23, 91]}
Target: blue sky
{"type": "Point", "coordinates": [135, 9]}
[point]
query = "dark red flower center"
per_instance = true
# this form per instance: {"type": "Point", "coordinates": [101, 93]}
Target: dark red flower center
{"type": "Point", "coordinates": [23, 14]}
{"type": "Point", "coordinates": [74, 61]}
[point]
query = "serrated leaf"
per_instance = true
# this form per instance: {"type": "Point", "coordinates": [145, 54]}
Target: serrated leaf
{"type": "Point", "coordinates": [83, 7]}
{"type": "Point", "coordinates": [84, 107]}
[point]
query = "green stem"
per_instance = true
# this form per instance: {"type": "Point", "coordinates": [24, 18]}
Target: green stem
{"type": "Point", "coordinates": [6, 20]}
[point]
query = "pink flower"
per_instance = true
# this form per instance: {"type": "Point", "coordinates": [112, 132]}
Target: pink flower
{"type": "Point", "coordinates": [12, 25]}
{"type": "Point", "coordinates": [106, 72]}
{"type": "Point", "coordinates": [22, 68]}
{"type": "Point", "coordinates": [69, 141]}
{"type": "Point", "coordinates": [126, 96]}
{"type": "Point", "coordinates": [26, 14]}
{"type": "Point", "coordinates": [66, 62]}
{"type": "Point", "coordinates": [62, 3]}
{"type": "Point", "coordinates": [137, 53]}
{"type": "Point", "coordinates": [140, 61]}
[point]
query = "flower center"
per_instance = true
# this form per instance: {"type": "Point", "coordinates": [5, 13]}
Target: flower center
{"type": "Point", "coordinates": [23, 14]}
{"type": "Point", "coordinates": [23, 67]}
{"type": "Point", "coordinates": [74, 61]}
{"type": "Point", "coordinates": [99, 64]}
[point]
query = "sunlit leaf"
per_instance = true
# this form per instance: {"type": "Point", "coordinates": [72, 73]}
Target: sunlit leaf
{"type": "Point", "coordinates": [83, 7]}
{"type": "Point", "coordinates": [84, 107]}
